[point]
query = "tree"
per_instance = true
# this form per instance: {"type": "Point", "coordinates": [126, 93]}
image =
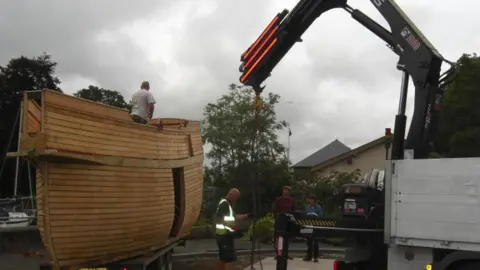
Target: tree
{"type": "Point", "coordinates": [459, 125]}
{"type": "Point", "coordinates": [18, 75]}
{"type": "Point", "coordinates": [238, 154]}
{"type": "Point", "coordinates": [105, 96]}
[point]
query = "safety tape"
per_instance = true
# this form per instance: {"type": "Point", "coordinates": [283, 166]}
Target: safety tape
{"type": "Point", "coordinates": [317, 222]}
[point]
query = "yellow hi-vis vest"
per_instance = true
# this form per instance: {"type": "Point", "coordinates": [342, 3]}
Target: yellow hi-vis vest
{"type": "Point", "coordinates": [224, 227]}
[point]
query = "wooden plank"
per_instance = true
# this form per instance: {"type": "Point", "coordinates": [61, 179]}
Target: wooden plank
{"type": "Point", "coordinates": [106, 223]}
{"type": "Point", "coordinates": [83, 167]}
{"type": "Point", "coordinates": [96, 120]}
{"type": "Point", "coordinates": [193, 184]}
{"type": "Point", "coordinates": [130, 189]}
{"type": "Point", "coordinates": [34, 110]}
{"type": "Point", "coordinates": [163, 223]}
{"type": "Point", "coordinates": [40, 203]}
{"type": "Point", "coordinates": [190, 146]}
{"type": "Point", "coordinates": [32, 142]}
{"type": "Point", "coordinates": [54, 155]}
{"type": "Point", "coordinates": [98, 171]}
{"type": "Point", "coordinates": [79, 145]}
{"type": "Point", "coordinates": [101, 184]}
{"type": "Point", "coordinates": [109, 216]}
{"type": "Point", "coordinates": [115, 201]}
{"type": "Point", "coordinates": [103, 134]}
{"type": "Point", "coordinates": [76, 147]}
{"type": "Point", "coordinates": [56, 213]}
{"type": "Point", "coordinates": [43, 166]}
{"type": "Point", "coordinates": [24, 116]}
{"type": "Point", "coordinates": [92, 206]}
{"type": "Point", "coordinates": [94, 129]}
{"type": "Point", "coordinates": [125, 195]}
{"type": "Point", "coordinates": [84, 105]}
{"type": "Point", "coordinates": [33, 126]}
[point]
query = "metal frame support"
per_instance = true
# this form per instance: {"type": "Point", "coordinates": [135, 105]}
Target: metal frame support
{"type": "Point", "coordinates": [400, 118]}
{"type": "Point", "coordinates": [17, 164]}
{"type": "Point", "coordinates": [282, 236]}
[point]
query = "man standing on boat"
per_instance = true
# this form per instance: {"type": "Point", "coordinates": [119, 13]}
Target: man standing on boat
{"type": "Point", "coordinates": [226, 231]}
{"type": "Point", "coordinates": [142, 104]}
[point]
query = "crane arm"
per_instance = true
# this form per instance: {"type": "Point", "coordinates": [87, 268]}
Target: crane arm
{"type": "Point", "coordinates": [417, 57]}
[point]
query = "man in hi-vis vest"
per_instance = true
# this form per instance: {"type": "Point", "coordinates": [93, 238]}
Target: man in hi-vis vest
{"type": "Point", "coordinates": [225, 230]}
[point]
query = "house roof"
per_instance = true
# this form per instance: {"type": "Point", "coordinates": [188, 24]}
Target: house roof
{"type": "Point", "coordinates": [331, 150]}
{"type": "Point", "coordinates": [348, 154]}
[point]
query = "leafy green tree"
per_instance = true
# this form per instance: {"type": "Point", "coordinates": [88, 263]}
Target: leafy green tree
{"type": "Point", "coordinates": [459, 128]}
{"type": "Point", "coordinates": [105, 96]}
{"type": "Point", "coordinates": [238, 154]}
{"type": "Point", "coordinates": [18, 75]}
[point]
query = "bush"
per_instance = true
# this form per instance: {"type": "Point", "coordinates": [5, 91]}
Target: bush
{"type": "Point", "coordinates": [202, 221]}
{"type": "Point", "coordinates": [262, 229]}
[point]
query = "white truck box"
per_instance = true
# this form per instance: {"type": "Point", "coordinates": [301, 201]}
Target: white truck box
{"type": "Point", "coordinates": [433, 203]}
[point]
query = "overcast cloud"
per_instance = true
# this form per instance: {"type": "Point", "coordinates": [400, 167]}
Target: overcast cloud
{"type": "Point", "coordinates": [341, 82]}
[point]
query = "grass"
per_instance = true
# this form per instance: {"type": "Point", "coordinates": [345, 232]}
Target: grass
{"type": "Point", "coordinates": [202, 221]}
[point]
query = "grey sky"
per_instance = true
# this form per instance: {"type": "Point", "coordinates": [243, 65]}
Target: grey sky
{"type": "Point", "coordinates": [341, 82]}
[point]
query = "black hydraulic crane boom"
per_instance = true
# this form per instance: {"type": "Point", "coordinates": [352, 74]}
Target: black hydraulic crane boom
{"type": "Point", "coordinates": [418, 59]}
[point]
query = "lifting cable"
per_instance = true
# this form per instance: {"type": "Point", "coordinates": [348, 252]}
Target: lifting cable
{"type": "Point", "coordinates": [258, 106]}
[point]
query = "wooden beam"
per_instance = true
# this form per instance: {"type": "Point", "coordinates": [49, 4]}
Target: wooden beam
{"type": "Point", "coordinates": [53, 154]}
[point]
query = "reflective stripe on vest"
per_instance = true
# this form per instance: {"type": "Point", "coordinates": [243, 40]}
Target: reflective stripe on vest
{"type": "Point", "coordinates": [227, 220]}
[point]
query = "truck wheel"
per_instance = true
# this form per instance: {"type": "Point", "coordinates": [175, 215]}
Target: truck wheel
{"type": "Point", "coordinates": [168, 261]}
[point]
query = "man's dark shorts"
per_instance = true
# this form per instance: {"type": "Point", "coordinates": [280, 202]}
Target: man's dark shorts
{"type": "Point", "coordinates": [226, 248]}
{"type": "Point", "coordinates": [138, 119]}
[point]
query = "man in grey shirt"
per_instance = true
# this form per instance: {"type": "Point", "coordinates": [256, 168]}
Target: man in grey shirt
{"type": "Point", "coordinates": [142, 104]}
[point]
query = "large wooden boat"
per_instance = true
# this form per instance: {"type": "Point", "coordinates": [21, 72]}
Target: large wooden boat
{"type": "Point", "coordinates": [108, 188]}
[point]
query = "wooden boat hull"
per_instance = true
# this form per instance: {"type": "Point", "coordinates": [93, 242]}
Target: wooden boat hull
{"type": "Point", "coordinates": [107, 188]}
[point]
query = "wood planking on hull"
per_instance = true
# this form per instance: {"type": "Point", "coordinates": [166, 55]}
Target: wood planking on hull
{"type": "Point", "coordinates": [130, 210]}
{"type": "Point", "coordinates": [101, 196]}
{"type": "Point", "coordinates": [82, 133]}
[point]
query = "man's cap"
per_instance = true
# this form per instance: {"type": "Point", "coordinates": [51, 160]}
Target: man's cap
{"type": "Point", "coordinates": [289, 188]}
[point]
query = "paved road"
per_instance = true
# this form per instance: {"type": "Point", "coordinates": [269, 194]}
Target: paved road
{"type": "Point", "coordinates": [16, 261]}
{"type": "Point", "coordinates": [270, 264]}
{"type": "Point", "coordinates": [206, 245]}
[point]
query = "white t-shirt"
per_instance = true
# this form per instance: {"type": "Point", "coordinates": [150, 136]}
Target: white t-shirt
{"type": "Point", "coordinates": [140, 101]}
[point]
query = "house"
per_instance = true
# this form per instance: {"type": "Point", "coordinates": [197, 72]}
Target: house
{"type": "Point", "coordinates": [336, 156]}
{"type": "Point", "coordinates": [302, 170]}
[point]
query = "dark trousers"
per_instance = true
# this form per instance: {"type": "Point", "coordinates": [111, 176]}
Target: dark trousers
{"type": "Point", "coordinates": [312, 248]}
{"type": "Point", "coordinates": [138, 119]}
{"type": "Point", "coordinates": [226, 248]}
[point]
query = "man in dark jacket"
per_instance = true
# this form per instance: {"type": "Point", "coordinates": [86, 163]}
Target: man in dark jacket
{"type": "Point", "coordinates": [283, 204]}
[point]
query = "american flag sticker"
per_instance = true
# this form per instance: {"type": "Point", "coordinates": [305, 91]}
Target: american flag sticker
{"type": "Point", "coordinates": [410, 39]}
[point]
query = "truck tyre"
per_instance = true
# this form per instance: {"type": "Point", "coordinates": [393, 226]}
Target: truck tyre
{"type": "Point", "coordinates": [168, 261]}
